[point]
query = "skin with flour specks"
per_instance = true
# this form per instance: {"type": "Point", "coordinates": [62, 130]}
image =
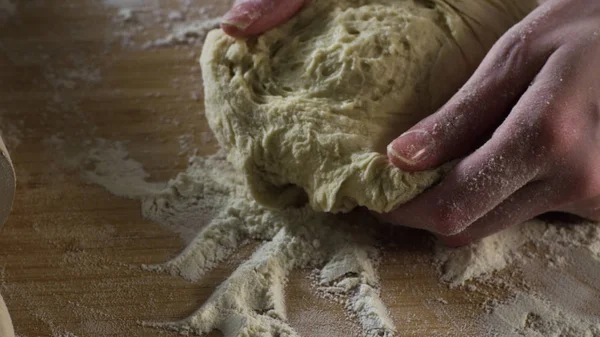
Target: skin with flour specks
{"type": "Point", "coordinates": [525, 125]}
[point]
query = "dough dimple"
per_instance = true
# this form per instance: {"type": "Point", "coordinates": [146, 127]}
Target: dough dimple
{"type": "Point", "coordinates": [306, 110]}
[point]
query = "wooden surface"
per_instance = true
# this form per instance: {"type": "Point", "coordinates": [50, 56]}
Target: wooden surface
{"type": "Point", "coordinates": [70, 252]}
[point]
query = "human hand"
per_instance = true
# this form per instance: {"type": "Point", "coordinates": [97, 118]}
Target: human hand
{"type": "Point", "coordinates": [253, 17]}
{"type": "Point", "coordinates": [526, 125]}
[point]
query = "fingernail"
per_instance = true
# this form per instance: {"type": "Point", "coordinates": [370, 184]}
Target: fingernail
{"type": "Point", "coordinates": [412, 147]}
{"type": "Point", "coordinates": [243, 14]}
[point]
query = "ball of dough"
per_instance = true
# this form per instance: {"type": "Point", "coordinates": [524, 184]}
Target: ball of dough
{"type": "Point", "coordinates": [306, 110]}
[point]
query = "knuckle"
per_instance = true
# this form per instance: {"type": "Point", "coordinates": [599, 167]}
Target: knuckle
{"type": "Point", "coordinates": [553, 134]}
{"type": "Point", "coordinates": [514, 49]}
{"type": "Point", "coordinates": [448, 219]}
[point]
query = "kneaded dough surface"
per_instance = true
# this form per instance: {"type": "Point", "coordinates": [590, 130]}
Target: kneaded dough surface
{"type": "Point", "coordinates": [306, 110]}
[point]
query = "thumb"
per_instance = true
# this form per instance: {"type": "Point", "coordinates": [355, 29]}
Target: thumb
{"type": "Point", "coordinates": [253, 17]}
{"type": "Point", "coordinates": [471, 116]}
{"type": "Point", "coordinates": [452, 132]}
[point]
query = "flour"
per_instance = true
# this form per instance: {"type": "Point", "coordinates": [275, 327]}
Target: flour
{"type": "Point", "coordinates": [151, 24]}
{"type": "Point", "coordinates": [552, 243]}
{"type": "Point", "coordinates": [210, 207]}
{"type": "Point", "coordinates": [211, 199]}
{"type": "Point", "coordinates": [480, 260]}
{"type": "Point", "coordinates": [530, 315]}
{"type": "Point", "coordinates": [372, 313]}
{"type": "Point", "coordinates": [111, 166]}
{"type": "Point", "coordinates": [126, 14]}
{"type": "Point", "coordinates": [294, 238]}
{"type": "Point", "coordinates": [559, 283]}
{"type": "Point", "coordinates": [185, 33]}
{"type": "Point", "coordinates": [118, 173]}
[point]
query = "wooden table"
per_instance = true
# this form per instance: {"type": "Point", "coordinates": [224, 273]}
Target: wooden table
{"type": "Point", "coordinates": [69, 254]}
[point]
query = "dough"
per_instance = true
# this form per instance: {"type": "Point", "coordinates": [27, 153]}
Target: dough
{"type": "Point", "coordinates": [306, 110]}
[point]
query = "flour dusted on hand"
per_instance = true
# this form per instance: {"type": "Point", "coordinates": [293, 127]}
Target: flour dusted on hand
{"type": "Point", "coordinates": [306, 110]}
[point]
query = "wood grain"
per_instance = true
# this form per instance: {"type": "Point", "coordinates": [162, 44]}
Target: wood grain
{"type": "Point", "coordinates": [70, 252]}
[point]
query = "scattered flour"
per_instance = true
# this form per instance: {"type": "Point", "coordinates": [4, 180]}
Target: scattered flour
{"type": "Point", "coordinates": [553, 283]}
{"type": "Point", "coordinates": [212, 199]}
{"type": "Point", "coordinates": [118, 173]}
{"type": "Point", "coordinates": [111, 166]}
{"type": "Point", "coordinates": [185, 33]}
{"type": "Point", "coordinates": [534, 315]}
{"type": "Point", "coordinates": [558, 287]}
{"type": "Point", "coordinates": [294, 238]}
{"type": "Point", "coordinates": [126, 14]}
{"type": "Point", "coordinates": [140, 22]}
{"type": "Point", "coordinates": [489, 255]}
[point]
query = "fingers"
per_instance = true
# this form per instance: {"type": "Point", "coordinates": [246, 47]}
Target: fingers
{"type": "Point", "coordinates": [516, 154]}
{"type": "Point", "coordinates": [474, 112]}
{"type": "Point", "coordinates": [523, 205]}
{"type": "Point", "coordinates": [253, 17]}
{"type": "Point", "coordinates": [475, 187]}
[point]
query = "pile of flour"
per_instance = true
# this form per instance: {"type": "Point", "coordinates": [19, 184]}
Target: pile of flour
{"type": "Point", "coordinates": [553, 283]}
{"type": "Point", "coordinates": [550, 270]}
{"type": "Point", "coordinates": [212, 198]}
